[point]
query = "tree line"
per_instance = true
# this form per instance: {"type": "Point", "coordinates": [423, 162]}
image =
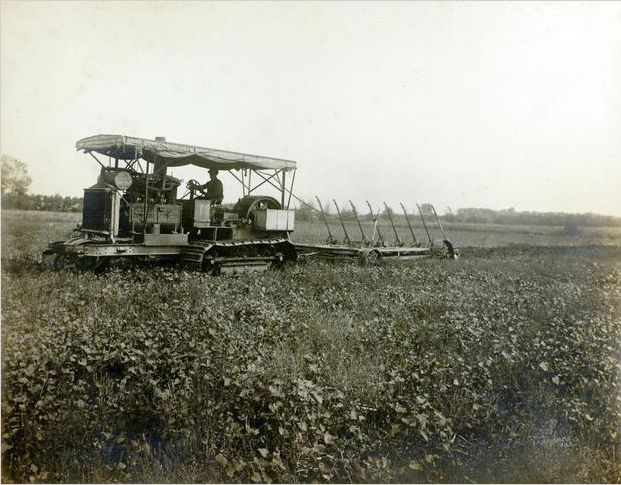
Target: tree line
{"type": "Point", "coordinates": [38, 202]}
{"type": "Point", "coordinates": [16, 181]}
{"type": "Point", "coordinates": [308, 211]}
{"type": "Point", "coordinates": [511, 216]}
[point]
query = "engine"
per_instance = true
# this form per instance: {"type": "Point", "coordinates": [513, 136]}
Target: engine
{"type": "Point", "coordinates": [126, 205]}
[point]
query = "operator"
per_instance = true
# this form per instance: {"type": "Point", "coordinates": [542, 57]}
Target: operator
{"type": "Point", "coordinates": [214, 189]}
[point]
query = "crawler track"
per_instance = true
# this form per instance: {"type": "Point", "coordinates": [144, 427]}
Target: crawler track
{"type": "Point", "coordinates": [237, 256]}
{"type": "Point", "coordinates": [213, 257]}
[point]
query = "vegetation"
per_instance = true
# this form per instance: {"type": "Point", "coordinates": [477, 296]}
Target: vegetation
{"type": "Point", "coordinates": [37, 202]}
{"type": "Point", "coordinates": [510, 216]}
{"type": "Point", "coordinates": [15, 178]}
{"type": "Point", "coordinates": [307, 212]}
{"type": "Point", "coordinates": [502, 366]}
{"type": "Point", "coordinates": [15, 185]}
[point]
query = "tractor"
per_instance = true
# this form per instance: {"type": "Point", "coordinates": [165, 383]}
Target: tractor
{"type": "Point", "coordinates": [134, 212]}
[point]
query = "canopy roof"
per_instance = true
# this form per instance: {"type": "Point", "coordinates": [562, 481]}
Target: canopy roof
{"type": "Point", "coordinates": [166, 154]}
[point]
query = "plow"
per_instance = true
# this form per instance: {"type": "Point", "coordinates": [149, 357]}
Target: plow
{"type": "Point", "coordinates": [372, 249]}
{"type": "Point", "coordinates": [134, 213]}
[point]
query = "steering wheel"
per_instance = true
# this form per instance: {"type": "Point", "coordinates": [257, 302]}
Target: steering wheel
{"type": "Point", "coordinates": [193, 184]}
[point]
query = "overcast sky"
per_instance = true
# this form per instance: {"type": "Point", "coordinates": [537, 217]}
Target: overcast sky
{"type": "Point", "coordinates": [460, 104]}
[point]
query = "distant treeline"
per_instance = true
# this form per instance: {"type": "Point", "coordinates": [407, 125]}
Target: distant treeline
{"type": "Point", "coordinates": [307, 212]}
{"type": "Point", "coordinates": [58, 203]}
{"type": "Point", "coordinates": [510, 216]}
{"type": "Point", "coordinates": [37, 202]}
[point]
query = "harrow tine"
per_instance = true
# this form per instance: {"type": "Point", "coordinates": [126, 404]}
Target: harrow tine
{"type": "Point", "coordinates": [364, 237]}
{"type": "Point", "coordinates": [375, 227]}
{"type": "Point", "coordinates": [338, 211]}
{"type": "Point", "coordinates": [325, 221]}
{"type": "Point", "coordinates": [424, 224]}
{"type": "Point", "coordinates": [397, 239]}
{"type": "Point", "coordinates": [405, 213]}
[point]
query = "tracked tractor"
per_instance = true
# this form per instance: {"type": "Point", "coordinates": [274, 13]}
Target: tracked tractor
{"type": "Point", "coordinates": [134, 211]}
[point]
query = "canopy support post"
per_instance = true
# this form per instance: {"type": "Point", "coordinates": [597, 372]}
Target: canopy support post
{"type": "Point", "coordinates": [283, 187]}
{"type": "Point", "coordinates": [146, 199]}
{"type": "Point", "coordinates": [240, 180]}
{"type": "Point", "coordinates": [266, 179]}
{"type": "Point", "coordinates": [97, 160]}
{"type": "Point", "coordinates": [291, 189]}
{"type": "Point", "coordinates": [130, 166]}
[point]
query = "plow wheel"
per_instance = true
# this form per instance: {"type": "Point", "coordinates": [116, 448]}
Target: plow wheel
{"type": "Point", "coordinates": [446, 251]}
{"type": "Point", "coordinates": [451, 252]}
{"type": "Point", "coordinates": [370, 256]}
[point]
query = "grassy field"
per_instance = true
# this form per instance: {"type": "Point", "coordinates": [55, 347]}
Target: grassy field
{"type": "Point", "coordinates": [502, 366]}
{"type": "Point", "coordinates": [466, 235]}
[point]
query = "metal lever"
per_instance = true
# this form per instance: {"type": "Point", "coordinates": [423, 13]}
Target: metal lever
{"type": "Point", "coordinates": [347, 238]}
{"type": "Point", "coordinates": [397, 239]}
{"type": "Point", "coordinates": [325, 221]}
{"type": "Point", "coordinates": [375, 228]}
{"type": "Point", "coordinates": [364, 237]}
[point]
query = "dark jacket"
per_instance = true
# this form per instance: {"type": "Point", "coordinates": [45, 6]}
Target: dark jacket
{"type": "Point", "coordinates": [214, 190]}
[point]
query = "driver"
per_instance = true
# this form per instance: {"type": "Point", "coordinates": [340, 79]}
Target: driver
{"type": "Point", "coordinates": [212, 190]}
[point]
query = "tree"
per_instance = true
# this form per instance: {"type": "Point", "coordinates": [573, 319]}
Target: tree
{"type": "Point", "coordinates": [305, 211]}
{"type": "Point", "coordinates": [388, 212]}
{"type": "Point", "coordinates": [15, 177]}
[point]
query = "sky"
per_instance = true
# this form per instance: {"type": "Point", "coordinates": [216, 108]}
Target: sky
{"type": "Point", "coordinates": [482, 104]}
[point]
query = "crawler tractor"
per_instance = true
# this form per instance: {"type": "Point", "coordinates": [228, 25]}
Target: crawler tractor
{"type": "Point", "coordinates": [133, 212]}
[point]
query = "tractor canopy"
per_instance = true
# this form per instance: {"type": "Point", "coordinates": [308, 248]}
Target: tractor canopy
{"type": "Point", "coordinates": [165, 154]}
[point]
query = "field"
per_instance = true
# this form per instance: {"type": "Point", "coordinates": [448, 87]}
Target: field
{"type": "Point", "coordinates": [503, 366]}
